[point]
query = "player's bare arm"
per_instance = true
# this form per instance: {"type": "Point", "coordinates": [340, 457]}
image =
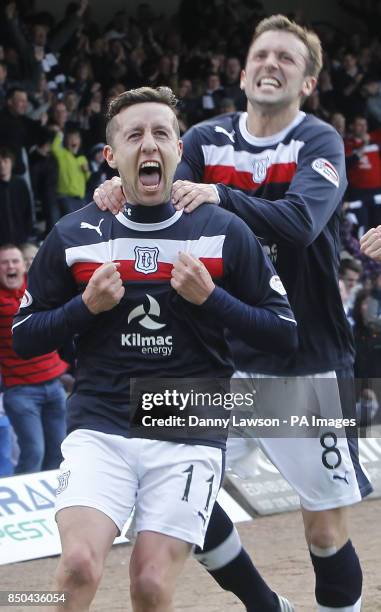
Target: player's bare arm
{"type": "Point", "coordinates": [191, 279]}
{"type": "Point", "coordinates": [371, 243]}
{"type": "Point", "coordinates": [104, 289]}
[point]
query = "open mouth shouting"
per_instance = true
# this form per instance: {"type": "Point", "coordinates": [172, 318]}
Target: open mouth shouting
{"type": "Point", "coordinates": [12, 279]}
{"type": "Point", "coordinates": [150, 174]}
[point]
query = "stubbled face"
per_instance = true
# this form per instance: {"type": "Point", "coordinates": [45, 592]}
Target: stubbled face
{"type": "Point", "coordinates": [5, 169]}
{"type": "Point", "coordinates": [12, 268]}
{"type": "Point", "coordinates": [274, 75]}
{"type": "Point", "coordinates": [146, 151]}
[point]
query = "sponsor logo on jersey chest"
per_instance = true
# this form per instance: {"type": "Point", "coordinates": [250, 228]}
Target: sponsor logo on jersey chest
{"type": "Point", "coordinates": [148, 344]}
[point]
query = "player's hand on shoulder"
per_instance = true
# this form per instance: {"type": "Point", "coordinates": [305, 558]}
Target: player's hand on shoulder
{"type": "Point", "coordinates": [371, 243]}
{"type": "Point", "coordinates": [191, 279]}
{"type": "Point", "coordinates": [189, 195]}
{"type": "Point", "coordinates": [109, 195]}
{"type": "Point", "coordinates": [104, 289]}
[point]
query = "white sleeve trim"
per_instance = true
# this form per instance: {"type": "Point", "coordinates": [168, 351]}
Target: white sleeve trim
{"type": "Point", "coordinates": [217, 194]}
{"type": "Point", "coordinates": [20, 322]}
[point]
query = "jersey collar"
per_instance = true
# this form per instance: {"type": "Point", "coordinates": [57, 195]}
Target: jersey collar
{"type": "Point", "coordinates": [268, 140]}
{"type": "Point", "coordinates": [149, 218]}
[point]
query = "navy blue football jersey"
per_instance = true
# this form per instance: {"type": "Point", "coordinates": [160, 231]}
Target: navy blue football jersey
{"type": "Point", "coordinates": [153, 331]}
{"type": "Point", "coordinates": [288, 188]}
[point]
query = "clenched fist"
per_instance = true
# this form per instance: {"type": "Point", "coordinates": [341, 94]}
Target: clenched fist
{"type": "Point", "coordinates": [104, 289]}
{"type": "Point", "coordinates": [191, 279]}
{"type": "Point", "coordinates": [371, 243]}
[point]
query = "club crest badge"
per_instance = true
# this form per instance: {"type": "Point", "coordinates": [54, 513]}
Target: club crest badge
{"type": "Point", "coordinates": [260, 169]}
{"type": "Point", "coordinates": [146, 259]}
{"type": "Point", "coordinates": [63, 481]}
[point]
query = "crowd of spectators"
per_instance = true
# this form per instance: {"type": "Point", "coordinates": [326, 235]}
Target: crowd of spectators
{"type": "Point", "coordinates": [56, 78]}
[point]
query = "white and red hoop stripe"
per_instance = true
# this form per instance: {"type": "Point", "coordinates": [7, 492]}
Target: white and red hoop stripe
{"type": "Point", "coordinates": [84, 259]}
{"type": "Point", "coordinates": [223, 164]}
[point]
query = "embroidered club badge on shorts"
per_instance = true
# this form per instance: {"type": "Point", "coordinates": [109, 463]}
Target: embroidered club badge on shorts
{"type": "Point", "coordinates": [327, 170]}
{"type": "Point", "coordinates": [63, 481]}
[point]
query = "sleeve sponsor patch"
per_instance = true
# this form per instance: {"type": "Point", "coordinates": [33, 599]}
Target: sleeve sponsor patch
{"type": "Point", "coordinates": [327, 170]}
{"type": "Point", "coordinates": [277, 285]}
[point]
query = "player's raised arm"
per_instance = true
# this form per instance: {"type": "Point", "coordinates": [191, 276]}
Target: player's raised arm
{"type": "Point", "coordinates": [300, 215]}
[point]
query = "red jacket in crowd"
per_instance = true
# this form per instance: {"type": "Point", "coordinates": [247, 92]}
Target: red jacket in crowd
{"type": "Point", "coordinates": [14, 370]}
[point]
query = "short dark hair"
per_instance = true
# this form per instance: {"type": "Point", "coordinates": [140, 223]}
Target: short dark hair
{"type": "Point", "coordinates": [69, 131]}
{"type": "Point", "coordinates": [44, 136]}
{"type": "Point", "coordinates": [349, 264]}
{"type": "Point", "coordinates": [72, 129]}
{"type": "Point", "coordinates": [12, 90]}
{"type": "Point", "coordinates": [7, 246]}
{"type": "Point", "coordinates": [161, 95]}
{"type": "Point", "coordinates": [7, 153]}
